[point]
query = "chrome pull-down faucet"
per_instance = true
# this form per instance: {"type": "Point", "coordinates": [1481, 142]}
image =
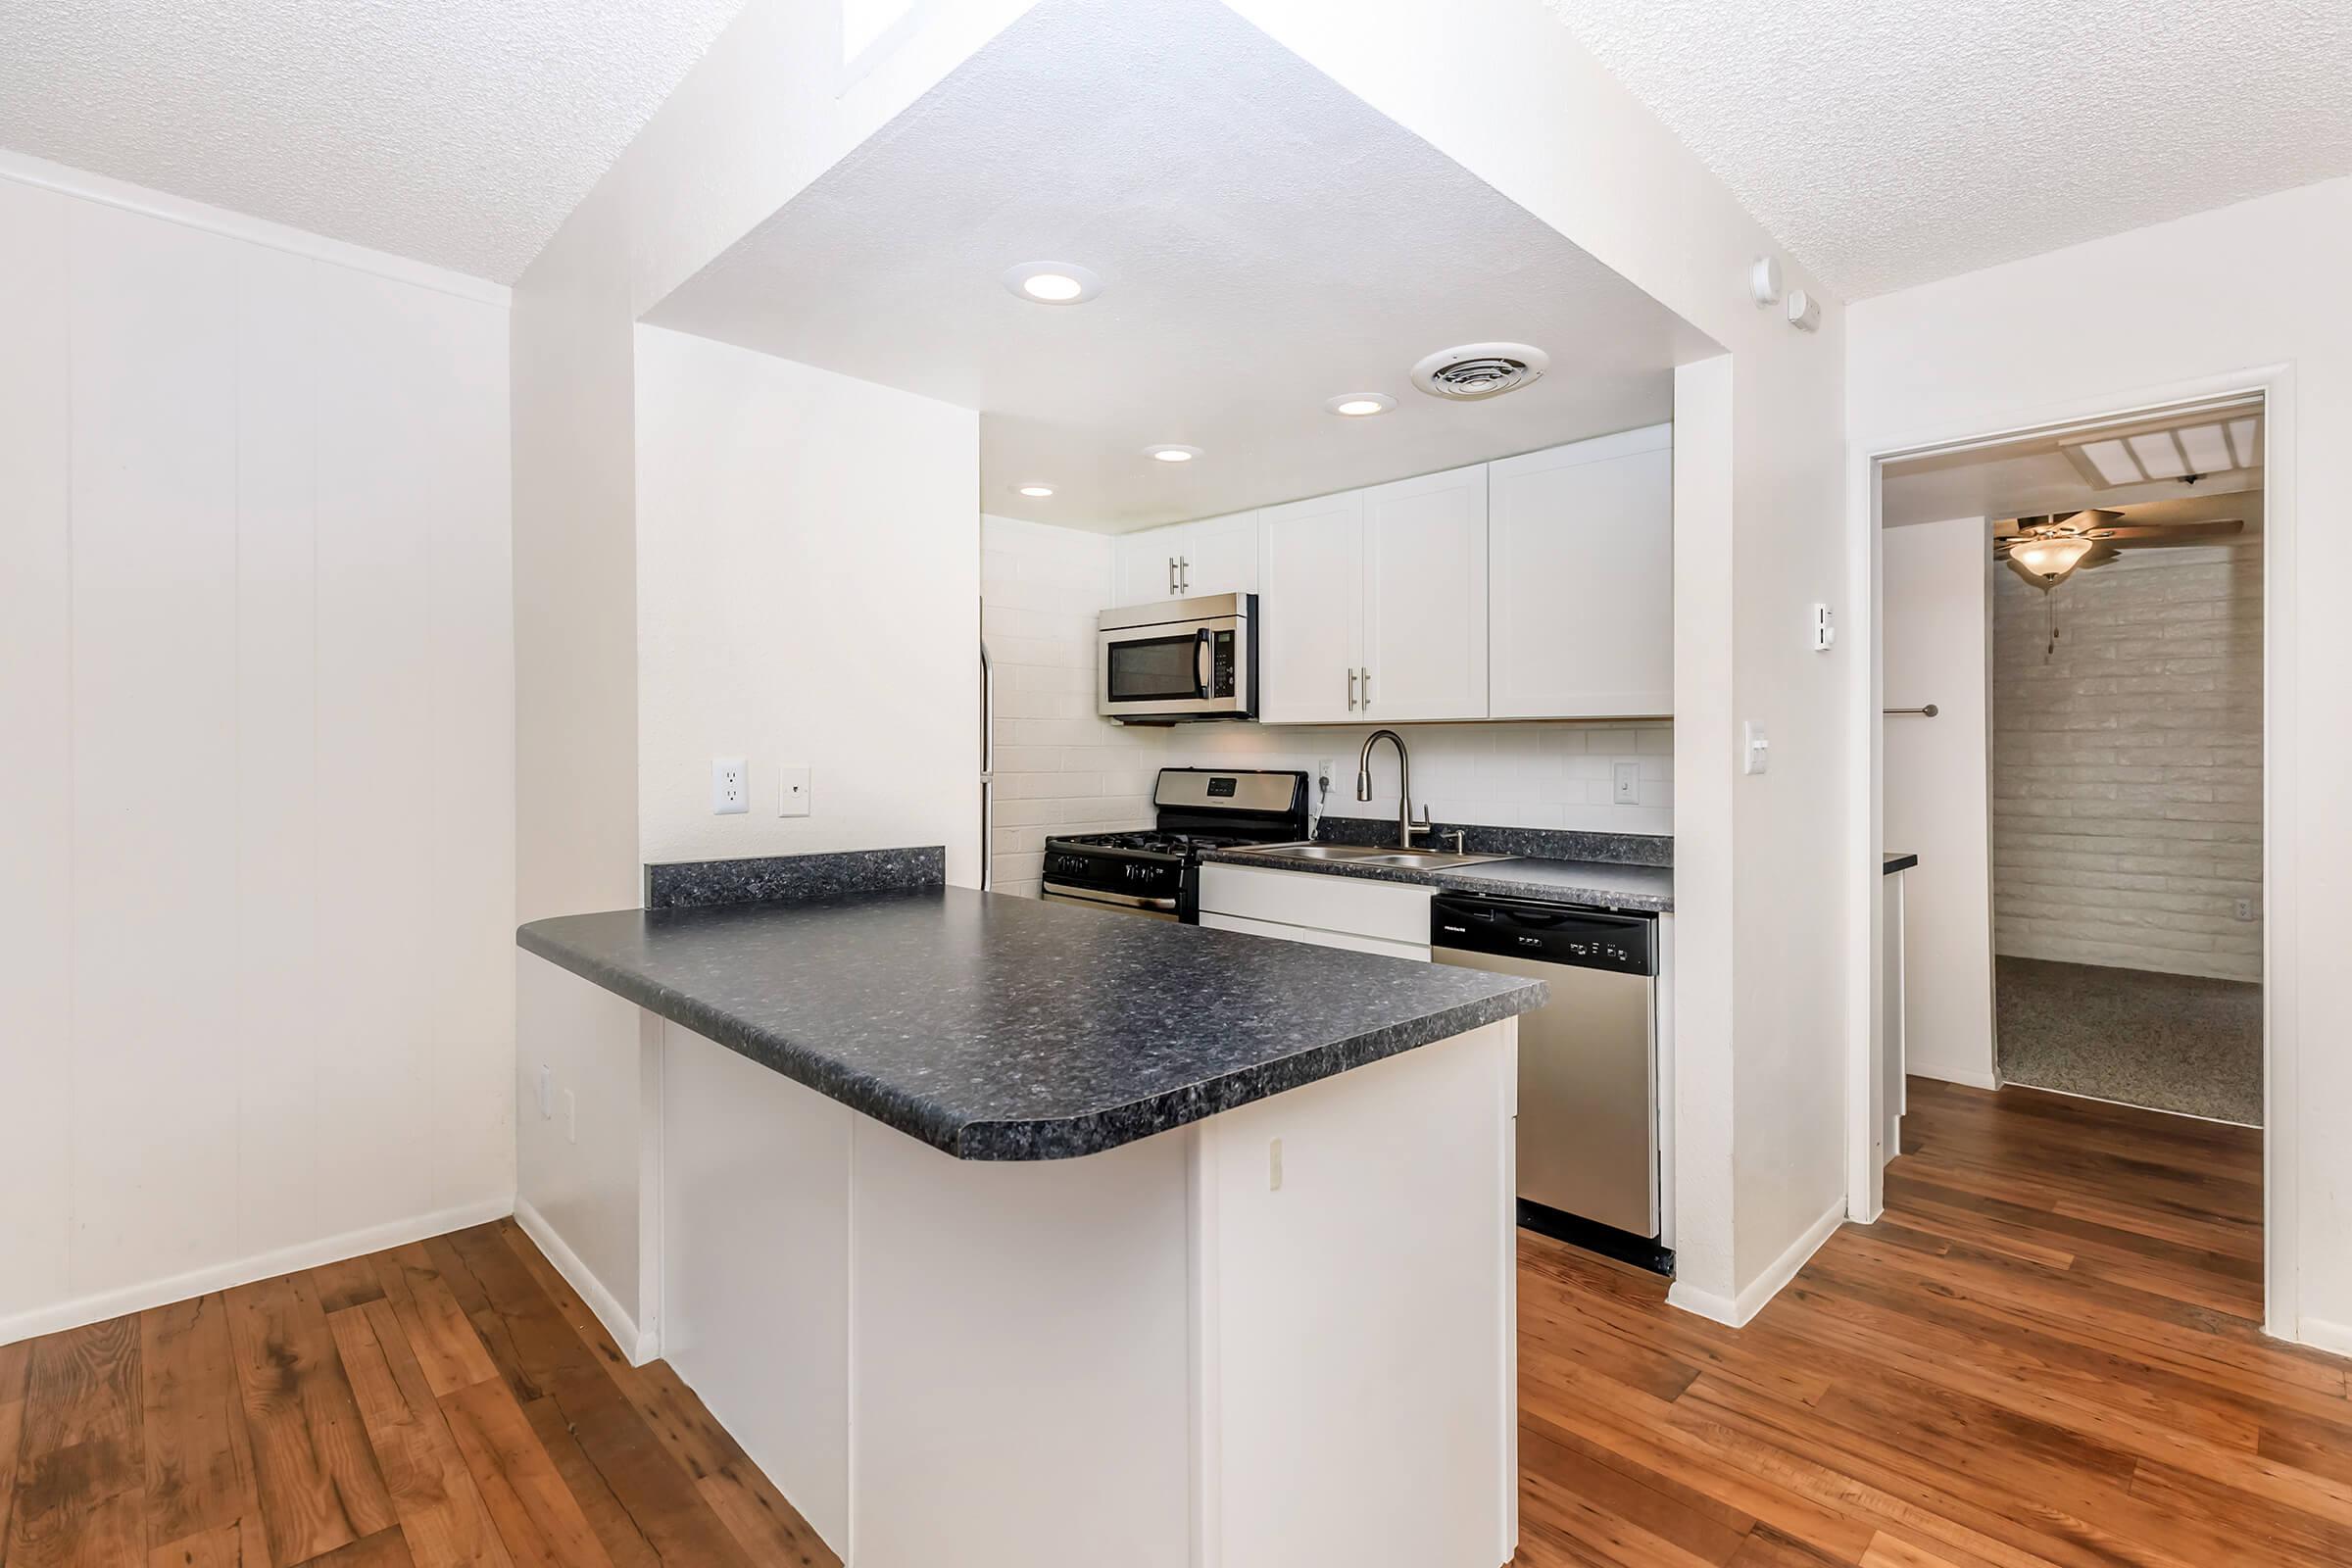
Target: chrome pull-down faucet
{"type": "Point", "coordinates": [1406, 829]}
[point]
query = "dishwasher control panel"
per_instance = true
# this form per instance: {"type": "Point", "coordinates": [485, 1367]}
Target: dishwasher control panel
{"type": "Point", "coordinates": [1547, 933]}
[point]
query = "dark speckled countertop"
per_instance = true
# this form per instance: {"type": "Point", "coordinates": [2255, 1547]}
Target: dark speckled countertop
{"type": "Point", "coordinates": [1607, 884]}
{"type": "Point", "coordinates": [1002, 1028]}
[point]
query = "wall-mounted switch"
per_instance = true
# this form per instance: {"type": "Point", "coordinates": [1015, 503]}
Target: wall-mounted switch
{"type": "Point", "coordinates": [1756, 748]}
{"type": "Point", "coordinates": [730, 787]}
{"type": "Point", "coordinates": [1628, 783]}
{"type": "Point", "coordinates": [792, 789]}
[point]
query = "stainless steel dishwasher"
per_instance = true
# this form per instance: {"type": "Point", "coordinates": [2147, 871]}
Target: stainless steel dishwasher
{"type": "Point", "coordinates": [1588, 1062]}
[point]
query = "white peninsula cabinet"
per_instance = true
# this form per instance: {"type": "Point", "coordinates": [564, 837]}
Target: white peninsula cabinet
{"type": "Point", "coordinates": [1581, 546]}
{"type": "Point", "coordinates": [1373, 603]}
{"type": "Point", "coordinates": [1188, 560]}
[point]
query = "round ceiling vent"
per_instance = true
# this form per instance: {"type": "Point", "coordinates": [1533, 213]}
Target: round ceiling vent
{"type": "Point", "coordinates": [1476, 371]}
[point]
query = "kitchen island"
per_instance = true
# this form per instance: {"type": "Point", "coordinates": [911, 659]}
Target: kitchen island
{"type": "Point", "coordinates": [1006, 1233]}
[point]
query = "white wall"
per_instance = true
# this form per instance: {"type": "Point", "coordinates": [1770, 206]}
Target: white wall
{"type": "Point", "coordinates": [2127, 764]}
{"type": "Point", "coordinates": [1938, 620]}
{"type": "Point", "coordinates": [1501, 775]}
{"type": "Point", "coordinates": [255, 674]}
{"type": "Point", "coordinates": [1061, 767]}
{"type": "Point", "coordinates": [2178, 309]}
{"type": "Point", "coordinates": [807, 593]}
{"type": "Point", "coordinates": [766, 109]}
{"type": "Point", "coordinates": [1764, 980]}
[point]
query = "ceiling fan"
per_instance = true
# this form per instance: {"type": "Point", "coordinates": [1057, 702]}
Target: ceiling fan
{"type": "Point", "coordinates": [2048, 550]}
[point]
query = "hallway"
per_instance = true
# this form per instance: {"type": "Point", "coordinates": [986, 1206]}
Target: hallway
{"type": "Point", "coordinates": [2047, 1350]}
{"type": "Point", "coordinates": [2169, 1042]}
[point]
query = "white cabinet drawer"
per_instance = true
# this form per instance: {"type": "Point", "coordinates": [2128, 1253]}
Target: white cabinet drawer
{"type": "Point", "coordinates": [1320, 939]}
{"type": "Point", "coordinates": [1318, 901]}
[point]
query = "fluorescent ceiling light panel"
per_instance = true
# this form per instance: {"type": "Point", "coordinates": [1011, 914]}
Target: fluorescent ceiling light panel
{"type": "Point", "coordinates": [2208, 448]}
{"type": "Point", "coordinates": [2113, 461]}
{"type": "Point", "coordinates": [2244, 434]}
{"type": "Point", "coordinates": [2159, 453]}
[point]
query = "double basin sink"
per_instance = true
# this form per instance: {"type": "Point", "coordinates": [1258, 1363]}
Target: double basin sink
{"type": "Point", "coordinates": [1373, 854]}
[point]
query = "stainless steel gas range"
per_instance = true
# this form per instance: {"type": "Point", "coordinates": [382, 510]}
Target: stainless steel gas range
{"type": "Point", "coordinates": [1157, 872]}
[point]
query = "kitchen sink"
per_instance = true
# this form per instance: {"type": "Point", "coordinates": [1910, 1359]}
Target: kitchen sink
{"type": "Point", "coordinates": [1374, 854]}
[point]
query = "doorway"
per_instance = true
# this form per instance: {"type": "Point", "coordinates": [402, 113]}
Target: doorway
{"type": "Point", "coordinates": [2101, 664]}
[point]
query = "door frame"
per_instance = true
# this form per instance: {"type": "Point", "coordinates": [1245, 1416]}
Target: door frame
{"type": "Point", "coordinates": [1866, 1088]}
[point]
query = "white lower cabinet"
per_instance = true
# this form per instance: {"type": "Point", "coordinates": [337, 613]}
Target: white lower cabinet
{"type": "Point", "coordinates": [1332, 912]}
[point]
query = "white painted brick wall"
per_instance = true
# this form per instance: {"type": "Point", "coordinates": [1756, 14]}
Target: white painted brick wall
{"type": "Point", "coordinates": [2127, 766]}
{"type": "Point", "coordinates": [1060, 767]}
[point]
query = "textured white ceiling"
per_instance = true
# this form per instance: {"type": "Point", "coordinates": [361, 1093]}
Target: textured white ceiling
{"type": "Point", "coordinates": [454, 132]}
{"type": "Point", "coordinates": [1889, 142]}
{"type": "Point", "coordinates": [1266, 241]}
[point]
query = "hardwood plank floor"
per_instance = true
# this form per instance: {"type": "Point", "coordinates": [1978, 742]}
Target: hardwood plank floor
{"type": "Point", "coordinates": [2047, 1352]}
{"type": "Point", "coordinates": [448, 1405]}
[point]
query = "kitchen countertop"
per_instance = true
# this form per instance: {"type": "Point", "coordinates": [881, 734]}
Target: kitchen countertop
{"type": "Point", "coordinates": [1604, 883]}
{"type": "Point", "coordinates": [997, 1028]}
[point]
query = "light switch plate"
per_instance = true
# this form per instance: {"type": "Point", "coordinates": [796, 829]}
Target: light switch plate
{"type": "Point", "coordinates": [730, 787]}
{"type": "Point", "coordinates": [793, 788]}
{"type": "Point", "coordinates": [1756, 748]}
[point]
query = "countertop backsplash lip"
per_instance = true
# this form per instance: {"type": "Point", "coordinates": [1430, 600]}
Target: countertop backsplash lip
{"type": "Point", "coordinates": [779, 878]}
{"type": "Point", "coordinates": [1533, 843]}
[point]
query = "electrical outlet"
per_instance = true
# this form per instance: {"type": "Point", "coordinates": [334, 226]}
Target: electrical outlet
{"type": "Point", "coordinates": [2245, 908]}
{"type": "Point", "coordinates": [730, 787]}
{"type": "Point", "coordinates": [572, 1118]}
{"type": "Point", "coordinates": [1628, 783]}
{"type": "Point", "coordinates": [793, 788]}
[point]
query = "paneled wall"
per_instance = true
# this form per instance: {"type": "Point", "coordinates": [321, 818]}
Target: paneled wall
{"type": "Point", "coordinates": [1060, 766]}
{"type": "Point", "coordinates": [2127, 764]}
{"type": "Point", "coordinates": [256, 680]}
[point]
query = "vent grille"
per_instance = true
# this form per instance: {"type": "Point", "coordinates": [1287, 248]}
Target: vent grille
{"type": "Point", "coordinates": [1476, 370]}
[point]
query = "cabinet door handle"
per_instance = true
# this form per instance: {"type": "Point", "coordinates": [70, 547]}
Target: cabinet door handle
{"type": "Point", "coordinates": [1184, 574]}
{"type": "Point", "coordinates": [1367, 688]}
{"type": "Point", "coordinates": [1351, 690]}
{"type": "Point", "coordinates": [1171, 576]}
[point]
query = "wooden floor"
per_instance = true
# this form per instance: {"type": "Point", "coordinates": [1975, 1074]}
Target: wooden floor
{"type": "Point", "coordinates": [2046, 1353]}
{"type": "Point", "coordinates": [446, 1402]}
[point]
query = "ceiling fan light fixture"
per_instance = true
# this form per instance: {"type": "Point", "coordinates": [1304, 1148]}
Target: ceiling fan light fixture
{"type": "Point", "coordinates": [2050, 557]}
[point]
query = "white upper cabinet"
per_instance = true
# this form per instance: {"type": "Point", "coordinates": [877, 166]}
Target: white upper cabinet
{"type": "Point", "coordinates": [1425, 598]}
{"type": "Point", "coordinates": [1188, 560]}
{"type": "Point", "coordinates": [1581, 550]}
{"type": "Point", "coordinates": [1310, 623]}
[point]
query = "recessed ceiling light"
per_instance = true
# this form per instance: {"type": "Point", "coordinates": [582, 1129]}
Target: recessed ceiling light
{"type": "Point", "coordinates": [1168, 453]}
{"type": "Point", "coordinates": [1360, 405]}
{"type": "Point", "coordinates": [1053, 282]}
{"type": "Point", "coordinates": [1035, 492]}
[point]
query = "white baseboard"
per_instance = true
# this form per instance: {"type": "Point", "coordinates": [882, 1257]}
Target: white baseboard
{"type": "Point", "coordinates": [640, 1346]}
{"type": "Point", "coordinates": [2321, 1334]}
{"type": "Point", "coordinates": [1966, 1077]}
{"type": "Point", "coordinates": [129, 1298]}
{"type": "Point", "coordinates": [1739, 1312]}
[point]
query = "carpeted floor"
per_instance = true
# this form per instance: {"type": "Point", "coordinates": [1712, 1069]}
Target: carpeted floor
{"type": "Point", "coordinates": [2169, 1042]}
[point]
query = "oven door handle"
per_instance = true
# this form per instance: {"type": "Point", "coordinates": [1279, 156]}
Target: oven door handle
{"type": "Point", "coordinates": [1203, 643]}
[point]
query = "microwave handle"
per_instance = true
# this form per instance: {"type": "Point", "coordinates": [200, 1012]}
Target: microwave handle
{"type": "Point", "coordinates": [1204, 641]}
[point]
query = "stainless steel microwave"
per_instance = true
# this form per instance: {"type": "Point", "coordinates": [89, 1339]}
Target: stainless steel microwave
{"type": "Point", "coordinates": [1180, 660]}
